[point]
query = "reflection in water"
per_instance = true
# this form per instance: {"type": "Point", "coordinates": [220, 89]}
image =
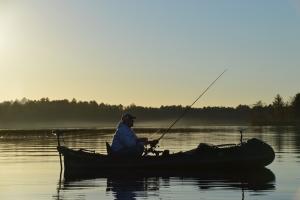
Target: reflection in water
{"type": "Point", "coordinates": [128, 187]}
{"type": "Point", "coordinates": [280, 131]}
{"type": "Point", "coordinates": [296, 130]}
{"type": "Point", "coordinates": [133, 187]}
{"type": "Point", "coordinates": [30, 159]}
{"type": "Point", "coordinates": [258, 180]}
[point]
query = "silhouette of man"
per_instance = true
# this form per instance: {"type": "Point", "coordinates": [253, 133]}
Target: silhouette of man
{"type": "Point", "coordinates": [125, 142]}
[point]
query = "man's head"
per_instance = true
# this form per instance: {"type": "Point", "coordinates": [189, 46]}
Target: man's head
{"type": "Point", "coordinates": [128, 119]}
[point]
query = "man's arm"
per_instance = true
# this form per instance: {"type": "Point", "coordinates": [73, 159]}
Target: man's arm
{"type": "Point", "coordinates": [128, 138]}
{"type": "Point", "coordinates": [144, 140]}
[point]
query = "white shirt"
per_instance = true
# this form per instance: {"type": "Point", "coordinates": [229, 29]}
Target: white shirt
{"type": "Point", "coordinates": [124, 137]}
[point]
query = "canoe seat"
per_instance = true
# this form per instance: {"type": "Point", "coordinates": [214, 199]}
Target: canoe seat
{"type": "Point", "coordinates": [108, 148]}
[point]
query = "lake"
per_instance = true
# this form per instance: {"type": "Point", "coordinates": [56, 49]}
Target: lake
{"type": "Point", "coordinates": [29, 166]}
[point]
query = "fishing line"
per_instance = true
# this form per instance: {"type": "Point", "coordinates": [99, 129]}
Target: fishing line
{"type": "Point", "coordinates": [188, 108]}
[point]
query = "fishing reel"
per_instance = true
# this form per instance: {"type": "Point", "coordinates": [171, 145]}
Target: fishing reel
{"type": "Point", "coordinates": [152, 148]}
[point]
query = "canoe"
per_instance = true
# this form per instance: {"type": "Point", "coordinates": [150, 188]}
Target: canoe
{"type": "Point", "coordinates": [251, 154]}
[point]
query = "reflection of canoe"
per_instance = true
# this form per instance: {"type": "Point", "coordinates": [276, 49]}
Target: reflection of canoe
{"type": "Point", "coordinates": [256, 180]}
{"type": "Point", "coordinates": [128, 186]}
{"type": "Point", "coordinates": [251, 154]}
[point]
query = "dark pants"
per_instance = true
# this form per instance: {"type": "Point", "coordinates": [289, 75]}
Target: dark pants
{"type": "Point", "coordinates": [135, 151]}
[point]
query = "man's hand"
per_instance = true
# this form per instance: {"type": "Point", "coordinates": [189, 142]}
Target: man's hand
{"type": "Point", "coordinates": [153, 143]}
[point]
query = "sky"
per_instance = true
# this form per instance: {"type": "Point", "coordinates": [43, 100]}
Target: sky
{"type": "Point", "coordinates": [150, 53]}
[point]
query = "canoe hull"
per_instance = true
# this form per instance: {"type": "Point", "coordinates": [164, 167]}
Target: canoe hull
{"type": "Point", "coordinates": [251, 154]}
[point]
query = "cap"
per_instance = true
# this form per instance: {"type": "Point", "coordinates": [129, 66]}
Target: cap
{"type": "Point", "coordinates": [127, 116]}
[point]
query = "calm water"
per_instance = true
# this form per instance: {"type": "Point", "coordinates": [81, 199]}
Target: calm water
{"type": "Point", "coordinates": [29, 167]}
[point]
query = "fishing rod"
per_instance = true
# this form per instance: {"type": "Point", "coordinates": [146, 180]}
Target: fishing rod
{"type": "Point", "coordinates": [189, 107]}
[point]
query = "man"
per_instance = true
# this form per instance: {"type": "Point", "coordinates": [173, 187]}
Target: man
{"type": "Point", "coordinates": [125, 142]}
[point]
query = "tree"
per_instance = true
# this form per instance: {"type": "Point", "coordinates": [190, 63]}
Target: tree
{"type": "Point", "coordinates": [258, 106]}
{"type": "Point", "coordinates": [296, 106]}
{"type": "Point", "coordinates": [278, 109]}
{"type": "Point", "coordinates": [278, 102]}
{"type": "Point", "coordinates": [260, 113]}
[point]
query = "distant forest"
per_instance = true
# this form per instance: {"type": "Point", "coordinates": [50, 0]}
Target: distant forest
{"type": "Point", "coordinates": [58, 111]}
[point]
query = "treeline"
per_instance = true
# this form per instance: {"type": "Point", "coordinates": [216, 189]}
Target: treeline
{"type": "Point", "coordinates": [45, 110]}
{"type": "Point", "coordinates": [279, 112]}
